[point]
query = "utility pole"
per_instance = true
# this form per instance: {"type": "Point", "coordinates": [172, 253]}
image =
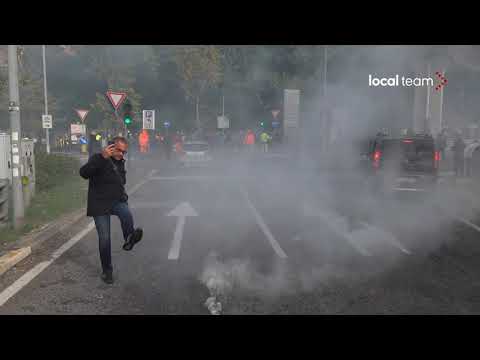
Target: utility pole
{"type": "Point", "coordinates": [16, 136]}
{"type": "Point", "coordinates": [324, 107]}
{"type": "Point", "coordinates": [46, 96]}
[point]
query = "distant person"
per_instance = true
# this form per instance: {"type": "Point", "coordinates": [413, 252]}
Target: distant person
{"type": "Point", "coordinates": [167, 146]}
{"type": "Point", "coordinates": [107, 196]}
{"type": "Point", "coordinates": [441, 143]}
{"type": "Point", "coordinates": [458, 154]}
{"type": "Point", "coordinates": [94, 144]}
{"type": "Point", "coordinates": [144, 141]}
{"type": "Point", "coordinates": [265, 139]}
{"type": "Point", "coordinates": [249, 140]}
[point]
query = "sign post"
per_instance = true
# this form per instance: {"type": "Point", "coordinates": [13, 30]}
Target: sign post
{"type": "Point", "coordinates": [291, 115]}
{"type": "Point", "coordinates": [149, 119]}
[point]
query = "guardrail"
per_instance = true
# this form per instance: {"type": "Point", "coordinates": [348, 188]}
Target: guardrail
{"type": "Point", "coordinates": [4, 190]}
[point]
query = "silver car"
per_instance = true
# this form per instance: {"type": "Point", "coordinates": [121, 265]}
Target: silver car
{"type": "Point", "coordinates": [195, 153]}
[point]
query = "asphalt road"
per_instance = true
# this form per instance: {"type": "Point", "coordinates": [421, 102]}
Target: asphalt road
{"type": "Point", "coordinates": [287, 241]}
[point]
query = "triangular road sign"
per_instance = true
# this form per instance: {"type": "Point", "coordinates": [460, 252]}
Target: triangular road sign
{"type": "Point", "coordinates": [82, 113]}
{"type": "Point", "coordinates": [116, 98]}
{"type": "Point", "coordinates": [275, 113]}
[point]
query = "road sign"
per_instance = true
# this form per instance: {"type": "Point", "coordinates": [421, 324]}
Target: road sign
{"type": "Point", "coordinates": [291, 108]}
{"type": "Point", "coordinates": [275, 124]}
{"type": "Point", "coordinates": [223, 122]}
{"type": "Point", "coordinates": [47, 121]}
{"type": "Point", "coordinates": [166, 124]}
{"type": "Point", "coordinates": [77, 130]}
{"type": "Point", "coordinates": [275, 113]}
{"type": "Point", "coordinates": [116, 98]}
{"type": "Point", "coordinates": [82, 114]}
{"type": "Point", "coordinates": [83, 140]}
{"type": "Point", "coordinates": [149, 119]}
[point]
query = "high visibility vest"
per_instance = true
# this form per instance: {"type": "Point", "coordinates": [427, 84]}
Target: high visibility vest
{"type": "Point", "coordinates": [264, 137]}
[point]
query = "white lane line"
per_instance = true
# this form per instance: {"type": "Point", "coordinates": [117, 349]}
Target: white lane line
{"type": "Point", "coordinates": [388, 237]}
{"type": "Point", "coordinates": [275, 245]}
{"type": "Point", "coordinates": [25, 279]}
{"type": "Point", "coordinates": [181, 211]}
{"type": "Point", "coordinates": [73, 241]}
{"type": "Point", "coordinates": [336, 224]}
{"type": "Point", "coordinates": [466, 222]}
{"type": "Point", "coordinates": [458, 218]}
{"type": "Point", "coordinates": [6, 294]}
{"type": "Point", "coordinates": [174, 252]}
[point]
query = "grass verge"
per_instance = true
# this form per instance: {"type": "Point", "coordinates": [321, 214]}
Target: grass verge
{"type": "Point", "coordinates": [58, 193]}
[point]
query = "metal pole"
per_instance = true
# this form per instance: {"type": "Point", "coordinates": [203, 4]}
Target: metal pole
{"type": "Point", "coordinates": [325, 127]}
{"type": "Point", "coordinates": [16, 136]}
{"type": "Point", "coordinates": [441, 102]}
{"type": "Point", "coordinates": [46, 96]}
{"type": "Point", "coordinates": [223, 105]}
{"type": "Point", "coordinates": [426, 127]}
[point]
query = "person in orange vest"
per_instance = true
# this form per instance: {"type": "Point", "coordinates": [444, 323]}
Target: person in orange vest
{"type": "Point", "coordinates": [143, 140]}
{"type": "Point", "coordinates": [249, 140]}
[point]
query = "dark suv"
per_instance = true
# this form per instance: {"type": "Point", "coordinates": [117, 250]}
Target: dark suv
{"type": "Point", "coordinates": [403, 164]}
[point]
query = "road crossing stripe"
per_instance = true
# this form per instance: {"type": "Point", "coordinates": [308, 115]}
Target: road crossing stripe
{"type": "Point", "coordinates": [275, 245]}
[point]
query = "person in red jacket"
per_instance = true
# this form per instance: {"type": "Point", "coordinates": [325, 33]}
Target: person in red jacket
{"type": "Point", "coordinates": [249, 140]}
{"type": "Point", "coordinates": [143, 140]}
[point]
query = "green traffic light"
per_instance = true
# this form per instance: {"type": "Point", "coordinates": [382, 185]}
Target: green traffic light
{"type": "Point", "coordinates": [261, 124]}
{"type": "Point", "coordinates": [127, 120]}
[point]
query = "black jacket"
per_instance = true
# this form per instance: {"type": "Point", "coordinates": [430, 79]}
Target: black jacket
{"type": "Point", "coordinates": [105, 186]}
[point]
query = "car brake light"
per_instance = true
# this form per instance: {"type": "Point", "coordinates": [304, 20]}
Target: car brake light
{"type": "Point", "coordinates": [408, 141]}
{"type": "Point", "coordinates": [437, 155]}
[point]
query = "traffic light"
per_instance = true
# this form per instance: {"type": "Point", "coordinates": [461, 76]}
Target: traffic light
{"type": "Point", "coordinates": [127, 119]}
{"type": "Point", "coordinates": [127, 114]}
{"type": "Point", "coordinates": [262, 123]}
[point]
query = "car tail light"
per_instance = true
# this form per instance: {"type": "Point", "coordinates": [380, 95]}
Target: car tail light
{"type": "Point", "coordinates": [408, 141]}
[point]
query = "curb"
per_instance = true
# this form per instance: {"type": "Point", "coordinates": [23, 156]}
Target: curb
{"type": "Point", "coordinates": [13, 257]}
{"type": "Point", "coordinates": [29, 243]}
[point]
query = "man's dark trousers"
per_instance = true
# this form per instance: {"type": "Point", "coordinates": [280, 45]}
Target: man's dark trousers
{"type": "Point", "coordinates": [102, 224]}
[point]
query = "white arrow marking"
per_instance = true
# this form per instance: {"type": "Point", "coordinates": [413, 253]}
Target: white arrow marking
{"type": "Point", "coordinates": [181, 212]}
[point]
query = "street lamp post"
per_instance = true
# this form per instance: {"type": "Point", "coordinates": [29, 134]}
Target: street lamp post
{"type": "Point", "coordinates": [46, 96]}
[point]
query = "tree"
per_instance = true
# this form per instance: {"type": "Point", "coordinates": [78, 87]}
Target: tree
{"type": "Point", "coordinates": [199, 68]}
{"type": "Point", "coordinates": [105, 116]}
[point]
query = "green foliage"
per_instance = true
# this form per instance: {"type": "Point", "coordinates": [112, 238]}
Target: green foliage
{"type": "Point", "coordinates": [53, 170]}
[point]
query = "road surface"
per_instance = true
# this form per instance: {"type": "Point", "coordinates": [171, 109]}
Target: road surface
{"type": "Point", "coordinates": [287, 241]}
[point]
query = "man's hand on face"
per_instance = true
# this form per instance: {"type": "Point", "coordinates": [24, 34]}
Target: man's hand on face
{"type": "Point", "coordinates": [108, 151]}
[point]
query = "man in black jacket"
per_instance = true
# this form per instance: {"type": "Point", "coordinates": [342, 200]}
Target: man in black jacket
{"type": "Point", "coordinates": [106, 176]}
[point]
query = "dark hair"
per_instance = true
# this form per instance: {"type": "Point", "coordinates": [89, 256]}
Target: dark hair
{"type": "Point", "coordinates": [120, 139]}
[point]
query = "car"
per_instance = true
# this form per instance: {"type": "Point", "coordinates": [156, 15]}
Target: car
{"type": "Point", "coordinates": [195, 153]}
{"type": "Point", "coordinates": [403, 164]}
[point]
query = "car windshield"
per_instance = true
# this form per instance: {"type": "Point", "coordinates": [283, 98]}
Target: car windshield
{"type": "Point", "coordinates": [195, 147]}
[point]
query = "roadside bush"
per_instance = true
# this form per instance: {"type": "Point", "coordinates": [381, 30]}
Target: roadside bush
{"type": "Point", "coordinates": [54, 169]}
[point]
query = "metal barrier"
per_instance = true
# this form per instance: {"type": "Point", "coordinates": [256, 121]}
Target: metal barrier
{"type": "Point", "coordinates": [4, 191]}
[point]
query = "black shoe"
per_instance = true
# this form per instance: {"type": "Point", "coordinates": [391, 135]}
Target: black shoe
{"type": "Point", "coordinates": [132, 239]}
{"type": "Point", "coordinates": [107, 277]}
